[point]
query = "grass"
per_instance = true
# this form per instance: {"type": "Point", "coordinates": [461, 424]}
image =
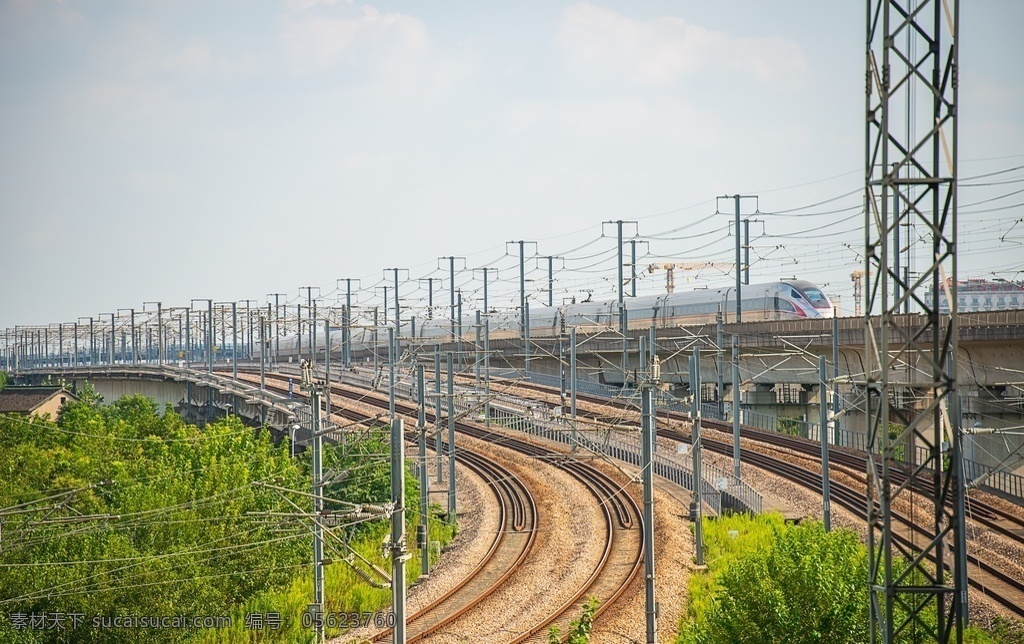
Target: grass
{"type": "Point", "coordinates": [344, 591]}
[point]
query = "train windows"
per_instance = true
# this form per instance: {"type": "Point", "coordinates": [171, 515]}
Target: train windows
{"type": "Point", "coordinates": [784, 305]}
{"type": "Point", "coordinates": [816, 298]}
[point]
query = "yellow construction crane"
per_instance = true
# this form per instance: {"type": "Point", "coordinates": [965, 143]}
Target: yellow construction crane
{"type": "Point", "coordinates": [670, 270]}
{"type": "Point", "coordinates": [857, 277]}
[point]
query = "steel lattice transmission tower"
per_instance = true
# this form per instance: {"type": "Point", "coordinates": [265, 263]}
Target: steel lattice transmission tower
{"type": "Point", "coordinates": [911, 180]}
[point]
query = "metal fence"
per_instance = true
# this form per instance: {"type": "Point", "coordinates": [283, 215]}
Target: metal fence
{"type": "Point", "coordinates": [718, 488]}
{"type": "Point", "coordinates": [976, 474]}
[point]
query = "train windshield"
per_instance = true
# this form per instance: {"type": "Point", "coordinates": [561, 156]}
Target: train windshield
{"type": "Point", "coordinates": [816, 298]}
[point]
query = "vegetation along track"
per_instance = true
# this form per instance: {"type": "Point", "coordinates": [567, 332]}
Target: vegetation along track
{"type": "Point", "coordinates": [1006, 589]}
{"type": "Point", "coordinates": [622, 555]}
{"type": "Point", "coordinates": [512, 543]}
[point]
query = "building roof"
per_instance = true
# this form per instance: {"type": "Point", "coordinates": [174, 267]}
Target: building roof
{"type": "Point", "coordinates": [25, 400]}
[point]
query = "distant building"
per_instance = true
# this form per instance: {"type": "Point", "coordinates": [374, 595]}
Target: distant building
{"type": "Point", "coordinates": [985, 295]}
{"type": "Point", "coordinates": [34, 401]}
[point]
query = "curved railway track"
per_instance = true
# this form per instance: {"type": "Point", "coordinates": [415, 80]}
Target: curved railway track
{"type": "Point", "coordinates": [622, 554]}
{"type": "Point", "coordinates": [1005, 589]}
{"type": "Point", "coordinates": [513, 542]}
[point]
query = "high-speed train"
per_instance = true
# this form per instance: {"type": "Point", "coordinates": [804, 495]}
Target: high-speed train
{"type": "Point", "coordinates": [782, 300]}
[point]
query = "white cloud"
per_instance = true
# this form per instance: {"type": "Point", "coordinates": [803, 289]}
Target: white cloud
{"type": "Point", "coordinates": [602, 44]}
{"type": "Point", "coordinates": [304, 5]}
{"type": "Point", "coordinates": [143, 51]}
{"type": "Point", "coordinates": [379, 40]}
{"type": "Point", "coordinates": [625, 119]}
{"type": "Point", "coordinates": [391, 51]}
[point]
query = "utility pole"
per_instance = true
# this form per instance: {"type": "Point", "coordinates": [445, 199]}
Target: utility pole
{"type": "Point", "coordinates": [430, 294]}
{"type": "Point", "coordinates": [309, 309]}
{"type": "Point", "coordinates": [696, 509]}
{"type": "Point", "coordinates": [264, 348]}
{"type": "Point", "coordinates": [632, 267]}
{"type": "Point", "coordinates": [298, 328]}
{"type": "Point", "coordinates": [526, 336]}
{"type": "Point", "coordinates": [160, 330]}
{"type": "Point", "coordinates": [487, 372]}
{"type": "Point", "coordinates": [735, 408]}
{"type": "Point", "coordinates": [486, 270]}
{"type": "Point", "coordinates": [346, 323]}
{"type": "Point", "coordinates": [423, 530]}
{"type": "Point", "coordinates": [826, 506]}
{"type": "Point", "coordinates": [451, 287]}
{"type": "Point", "coordinates": [746, 251]}
{"type": "Point", "coordinates": [248, 317]}
{"type": "Point", "coordinates": [720, 391]}
{"type": "Point", "coordinates": [522, 282]}
{"type": "Point", "coordinates": [623, 324]}
{"type": "Point", "coordinates": [327, 364]}
{"type": "Point", "coordinates": [392, 354]}
{"type": "Point", "coordinates": [619, 283]}
{"type": "Point", "coordinates": [113, 340]}
{"type": "Point", "coordinates": [437, 408]}
{"type": "Point", "coordinates": [572, 371]}
{"type": "Point", "coordinates": [486, 345]}
{"type": "Point", "coordinates": [234, 337]}
{"type": "Point", "coordinates": [459, 318]}
{"type": "Point", "coordinates": [551, 275]}
{"type": "Point", "coordinates": [620, 301]}
{"type": "Point", "coordinates": [563, 371]}
{"type": "Point", "coordinates": [92, 341]}
{"type": "Point", "coordinates": [451, 440]}
{"type": "Point", "coordinates": [912, 64]}
{"type": "Point", "coordinates": [376, 324]}
{"type": "Point", "coordinates": [209, 352]}
{"type": "Point", "coordinates": [835, 378]}
{"type": "Point", "coordinates": [739, 256]}
{"type": "Point", "coordinates": [209, 336]}
{"type": "Point", "coordinates": [648, 382]}
{"type": "Point", "coordinates": [632, 259]}
{"type": "Point", "coordinates": [188, 340]}
{"type": "Point", "coordinates": [135, 352]}
{"type": "Point", "coordinates": [476, 362]}
{"type": "Point", "coordinates": [277, 324]}
{"type": "Point", "coordinates": [132, 329]}
{"type": "Point", "coordinates": [398, 553]}
{"type": "Point", "coordinates": [314, 390]}
{"type": "Point", "coordinates": [551, 280]}
{"type": "Point", "coordinates": [398, 315]}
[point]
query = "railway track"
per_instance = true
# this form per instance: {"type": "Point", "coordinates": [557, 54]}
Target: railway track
{"type": "Point", "coordinates": [622, 554]}
{"type": "Point", "coordinates": [512, 543]}
{"type": "Point", "coordinates": [623, 547]}
{"type": "Point", "coordinates": [1004, 588]}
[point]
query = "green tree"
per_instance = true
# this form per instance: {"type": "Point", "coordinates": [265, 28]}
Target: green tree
{"type": "Point", "coordinates": [119, 510]}
{"type": "Point", "coordinates": [127, 512]}
{"type": "Point", "coordinates": [800, 585]}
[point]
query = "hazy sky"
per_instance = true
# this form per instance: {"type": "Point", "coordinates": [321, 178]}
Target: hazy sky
{"type": "Point", "coordinates": [168, 150]}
